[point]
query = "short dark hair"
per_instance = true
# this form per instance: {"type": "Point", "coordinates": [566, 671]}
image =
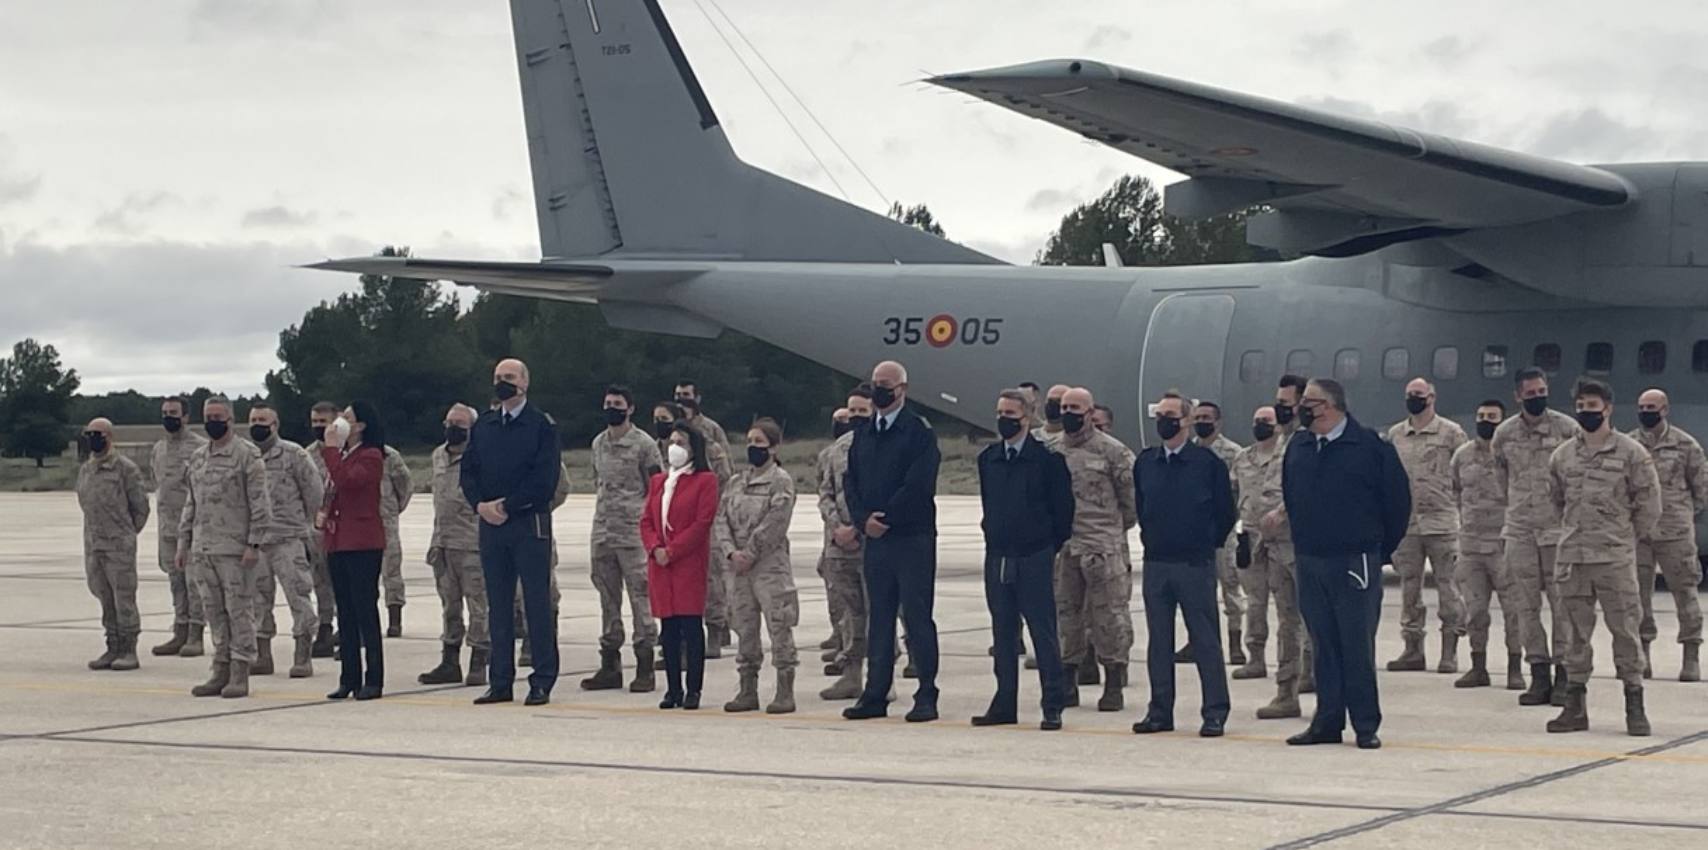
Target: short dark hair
{"type": "Point", "coordinates": [689, 383]}
{"type": "Point", "coordinates": [1494, 402]}
{"type": "Point", "coordinates": [674, 409]}
{"type": "Point", "coordinates": [324, 407]}
{"type": "Point", "coordinates": [262, 405]}
{"type": "Point", "coordinates": [1297, 382]}
{"type": "Point", "coordinates": [1213, 406]}
{"type": "Point", "coordinates": [769, 427]}
{"type": "Point", "coordinates": [1335, 392]}
{"type": "Point", "coordinates": [696, 446]}
{"type": "Point", "coordinates": [1586, 387]}
{"type": "Point", "coordinates": [183, 406]}
{"type": "Point", "coordinates": [621, 392]}
{"type": "Point", "coordinates": [1109, 411]}
{"type": "Point", "coordinates": [861, 390]}
{"type": "Point", "coordinates": [1028, 385]}
{"type": "Point", "coordinates": [373, 427]}
{"type": "Point", "coordinates": [1528, 373]}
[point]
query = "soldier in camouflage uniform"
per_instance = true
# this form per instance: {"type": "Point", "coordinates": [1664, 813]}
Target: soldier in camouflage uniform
{"type": "Point", "coordinates": [115, 508]}
{"type": "Point", "coordinates": [687, 394]}
{"type": "Point", "coordinates": [1609, 497]}
{"type": "Point", "coordinates": [1531, 531]}
{"type": "Point", "coordinates": [168, 463]}
{"type": "Point", "coordinates": [1479, 488]}
{"type": "Point", "coordinates": [454, 554]}
{"type": "Point", "coordinates": [1207, 430]}
{"type": "Point", "coordinates": [1272, 572]}
{"type": "Point", "coordinates": [296, 490]}
{"type": "Point", "coordinates": [751, 543]}
{"type": "Point", "coordinates": [833, 645]}
{"type": "Point", "coordinates": [1684, 493]}
{"type": "Point", "coordinates": [325, 607]}
{"type": "Point", "coordinates": [395, 492]}
{"type": "Point", "coordinates": [1093, 571]}
{"type": "Point", "coordinates": [225, 521]}
{"type": "Point", "coordinates": [717, 454]}
{"type": "Point", "coordinates": [845, 552]}
{"type": "Point", "coordinates": [624, 461]}
{"type": "Point", "coordinates": [1425, 443]}
{"type": "Point", "coordinates": [1050, 433]}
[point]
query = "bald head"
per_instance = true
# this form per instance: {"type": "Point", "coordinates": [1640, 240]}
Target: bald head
{"type": "Point", "coordinates": [1653, 399]}
{"type": "Point", "coordinates": [1420, 399]}
{"type": "Point", "coordinates": [1653, 409]}
{"type": "Point", "coordinates": [889, 383]}
{"type": "Point", "coordinates": [889, 372]}
{"type": "Point", "coordinates": [1057, 391]}
{"type": "Point", "coordinates": [512, 371]}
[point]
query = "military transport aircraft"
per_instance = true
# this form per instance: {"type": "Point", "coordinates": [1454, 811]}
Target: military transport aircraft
{"type": "Point", "coordinates": [1421, 255]}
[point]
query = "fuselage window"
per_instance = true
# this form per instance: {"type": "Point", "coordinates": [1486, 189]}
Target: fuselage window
{"type": "Point", "coordinates": [1396, 362]}
{"type": "Point", "coordinates": [1547, 357]}
{"type": "Point", "coordinates": [1651, 357]}
{"type": "Point", "coordinates": [1299, 362]}
{"type": "Point", "coordinates": [1251, 367]}
{"type": "Point", "coordinates": [1446, 365]}
{"type": "Point", "coordinates": [1598, 358]}
{"type": "Point", "coordinates": [1494, 361]}
{"type": "Point", "coordinates": [1346, 364]}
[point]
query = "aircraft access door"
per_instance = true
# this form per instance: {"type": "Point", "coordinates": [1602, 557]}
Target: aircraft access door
{"type": "Point", "coordinates": [1186, 343]}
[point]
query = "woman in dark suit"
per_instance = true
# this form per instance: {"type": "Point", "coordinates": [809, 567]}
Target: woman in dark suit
{"type": "Point", "coordinates": [354, 452]}
{"type": "Point", "coordinates": [676, 527]}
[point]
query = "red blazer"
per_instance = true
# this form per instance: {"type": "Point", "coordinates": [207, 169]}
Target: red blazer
{"type": "Point", "coordinates": [678, 589]}
{"type": "Point", "coordinates": [353, 521]}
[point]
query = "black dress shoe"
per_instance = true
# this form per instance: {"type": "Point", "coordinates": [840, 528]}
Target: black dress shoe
{"type": "Point", "coordinates": [1213, 728]}
{"type": "Point", "coordinates": [909, 672]}
{"type": "Point", "coordinates": [1313, 736]}
{"type": "Point", "coordinates": [370, 692]}
{"type": "Point", "coordinates": [670, 701]}
{"type": "Point", "coordinates": [691, 702]}
{"type": "Point", "coordinates": [995, 720]}
{"type": "Point", "coordinates": [861, 711]}
{"type": "Point", "coordinates": [1369, 742]}
{"type": "Point", "coordinates": [341, 693]}
{"type": "Point", "coordinates": [1052, 721]}
{"type": "Point", "coordinates": [537, 697]}
{"type": "Point", "coordinates": [1152, 725]}
{"type": "Point", "coordinates": [494, 696]}
{"type": "Point", "coordinates": [922, 714]}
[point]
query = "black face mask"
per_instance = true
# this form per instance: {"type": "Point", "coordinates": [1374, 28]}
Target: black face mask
{"type": "Point", "coordinates": [1591, 420]}
{"type": "Point", "coordinates": [690, 408]}
{"type": "Point", "coordinates": [504, 390]}
{"type": "Point", "coordinates": [837, 429]}
{"type": "Point", "coordinates": [1167, 427]}
{"type": "Point", "coordinates": [320, 433]}
{"type": "Point", "coordinates": [1204, 430]}
{"type": "Point", "coordinates": [1008, 428]}
{"type": "Point", "coordinates": [456, 435]}
{"type": "Point", "coordinates": [687, 400]}
{"type": "Point", "coordinates": [1536, 406]}
{"type": "Point", "coordinates": [172, 423]}
{"type": "Point", "coordinates": [1261, 431]}
{"type": "Point", "coordinates": [883, 397]}
{"type": "Point", "coordinates": [1486, 429]}
{"type": "Point", "coordinates": [1416, 404]}
{"type": "Point", "coordinates": [1651, 419]}
{"type": "Point", "coordinates": [1072, 422]}
{"type": "Point", "coordinates": [615, 416]}
{"type": "Point", "coordinates": [662, 428]}
{"type": "Point", "coordinates": [858, 422]}
{"type": "Point", "coordinates": [217, 429]}
{"type": "Point", "coordinates": [260, 433]}
{"type": "Point", "coordinates": [1307, 415]}
{"type": "Point", "coordinates": [758, 456]}
{"type": "Point", "coordinates": [97, 442]}
{"type": "Point", "coordinates": [1053, 410]}
{"type": "Point", "coordinates": [1283, 414]}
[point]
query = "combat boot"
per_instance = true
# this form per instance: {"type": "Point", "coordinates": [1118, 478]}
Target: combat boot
{"type": "Point", "coordinates": [1574, 716]}
{"type": "Point", "coordinates": [849, 686]}
{"type": "Point", "coordinates": [477, 667]}
{"type": "Point", "coordinates": [1088, 668]}
{"type": "Point", "coordinates": [784, 701]}
{"type": "Point", "coordinates": [1557, 697]}
{"type": "Point", "coordinates": [1114, 678]}
{"type": "Point", "coordinates": [1648, 666]}
{"type": "Point", "coordinates": [830, 654]}
{"type": "Point", "coordinates": [830, 643]}
{"type": "Point", "coordinates": [302, 664]}
{"type": "Point", "coordinates": [263, 665]}
{"type": "Point", "coordinates": [714, 643]}
{"type": "Point", "coordinates": [215, 683]}
{"type": "Point", "coordinates": [747, 696]}
{"type": "Point", "coordinates": [1411, 658]}
{"type": "Point", "coordinates": [180, 631]}
{"type": "Point", "coordinates": [1184, 655]}
{"type": "Point", "coordinates": [1515, 672]}
{"type": "Point", "coordinates": [1236, 650]}
{"type": "Point", "coordinates": [1070, 684]}
{"type": "Point", "coordinates": [1478, 675]}
{"type": "Point", "coordinates": [1280, 708]}
{"type": "Point", "coordinates": [1254, 668]}
{"type": "Point", "coordinates": [645, 679]}
{"type": "Point", "coordinates": [1690, 672]}
{"type": "Point", "coordinates": [1449, 662]}
{"type": "Point", "coordinates": [192, 647]}
{"type": "Point", "coordinates": [610, 674]}
{"type": "Point", "coordinates": [105, 661]}
{"type": "Point", "coordinates": [1540, 687]}
{"type": "Point", "coordinates": [238, 686]}
{"type": "Point", "coordinates": [323, 642]}
{"type": "Point", "coordinates": [449, 671]}
{"type": "Point", "coordinates": [394, 621]}
{"type": "Point", "coordinates": [127, 654]}
{"type": "Point", "coordinates": [835, 668]}
{"type": "Point", "coordinates": [1636, 721]}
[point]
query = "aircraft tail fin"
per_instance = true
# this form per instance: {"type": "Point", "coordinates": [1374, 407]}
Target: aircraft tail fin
{"type": "Point", "coordinates": [628, 155]}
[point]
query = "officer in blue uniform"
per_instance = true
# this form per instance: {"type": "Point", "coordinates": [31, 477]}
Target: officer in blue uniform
{"type": "Point", "coordinates": [510, 474]}
{"type": "Point", "coordinates": [1348, 501]}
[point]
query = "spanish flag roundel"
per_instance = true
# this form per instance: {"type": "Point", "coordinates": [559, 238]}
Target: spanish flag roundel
{"type": "Point", "coordinates": [940, 331]}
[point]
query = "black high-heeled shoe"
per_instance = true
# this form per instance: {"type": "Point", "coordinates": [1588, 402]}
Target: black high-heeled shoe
{"type": "Point", "coordinates": [671, 700]}
{"type": "Point", "coordinates": [691, 702]}
{"type": "Point", "coordinates": [370, 692]}
{"type": "Point", "coordinates": [342, 693]}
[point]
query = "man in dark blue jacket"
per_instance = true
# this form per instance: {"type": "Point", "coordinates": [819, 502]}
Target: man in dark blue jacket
{"type": "Point", "coordinates": [1028, 515]}
{"type": "Point", "coordinates": [510, 474]}
{"type": "Point", "coordinates": [1186, 511]}
{"type": "Point", "coordinates": [1348, 502]}
{"type": "Point", "coordinates": [891, 487]}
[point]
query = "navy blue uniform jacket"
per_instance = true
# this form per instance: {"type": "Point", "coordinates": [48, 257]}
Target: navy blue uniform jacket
{"type": "Point", "coordinates": [1186, 505]}
{"type": "Point", "coordinates": [518, 463]}
{"type": "Point", "coordinates": [1350, 498]}
{"type": "Point", "coordinates": [894, 473]}
{"type": "Point", "coordinates": [1028, 501]}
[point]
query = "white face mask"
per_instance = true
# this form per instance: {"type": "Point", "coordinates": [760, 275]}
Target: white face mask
{"type": "Point", "coordinates": [678, 456]}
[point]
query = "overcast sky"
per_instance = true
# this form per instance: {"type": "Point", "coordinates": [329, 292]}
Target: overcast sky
{"type": "Point", "coordinates": [163, 164]}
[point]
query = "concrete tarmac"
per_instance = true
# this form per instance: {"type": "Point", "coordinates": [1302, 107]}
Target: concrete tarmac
{"type": "Point", "coordinates": [111, 760]}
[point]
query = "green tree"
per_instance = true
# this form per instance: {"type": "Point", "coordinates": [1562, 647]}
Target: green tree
{"type": "Point", "coordinates": [1130, 216]}
{"type": "Point", "coordinates": [918, 216]}
{"type": "Point", "coordinates": [35, 402]}
{"type": "Point", "coordinates": [123, 408]}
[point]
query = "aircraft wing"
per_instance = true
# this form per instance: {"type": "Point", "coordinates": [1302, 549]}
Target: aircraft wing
{"type": "Point", "coordinates": [1338, 185]}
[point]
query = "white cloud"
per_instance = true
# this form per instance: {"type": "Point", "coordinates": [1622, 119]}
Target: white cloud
{"type": "Point", "coordinates": [278, 215]}
{"type": "Point", "coordinates": [129, 218]}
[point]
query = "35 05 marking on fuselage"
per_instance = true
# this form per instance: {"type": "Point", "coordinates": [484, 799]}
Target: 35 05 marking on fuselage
{"type": "Point", "coordinates": [941, 330]}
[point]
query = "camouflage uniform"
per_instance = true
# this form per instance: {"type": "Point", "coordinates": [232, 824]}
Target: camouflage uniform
{"type": "Point", "coordinates": [295, 489]}
{"type": "Point", "coordinates": [395, 492]}
{"type": "Point", "coordinates": [169, 463]}
{"type": "Point", "coordinates": [622, 469]}
{"type": "Point", "coordinates": [1093, 576]}
{"type": "Point", "coordinates": [713, 432]}
{"type": "Point", "coordinates": [1480, 489]}
{"type": "Point", "coordinates": [227, 510]}
{"type": "Point", "coordinates": [844, 583]}
{"type": "Point", "coordinates": [1531, 528]}
{"type": "Point", "coordinates": [115, 508]}
{"type": "Point", "coordinates": [1608, 498]}
{"type": "Point", "coordinates": [1227, 573]}
{"type": "Point", "coordinates": [1427, 455]}
{"type": "Point", "coordinates": [1272, 574]}
{"type": "Point", "coordinates": [1684, 492]}
{"type": "Point", "coordinates": [325, 607]}
{"type": "Point", "coordinates": [454, 554]}
{"type": "Point", "coordinates": [754, 517]}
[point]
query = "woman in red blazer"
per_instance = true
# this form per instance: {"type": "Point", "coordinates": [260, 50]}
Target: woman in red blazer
{"type": "Point", "coordinates": [355, 544]}
{"type": "Point", "coordinates": [676, 528]}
